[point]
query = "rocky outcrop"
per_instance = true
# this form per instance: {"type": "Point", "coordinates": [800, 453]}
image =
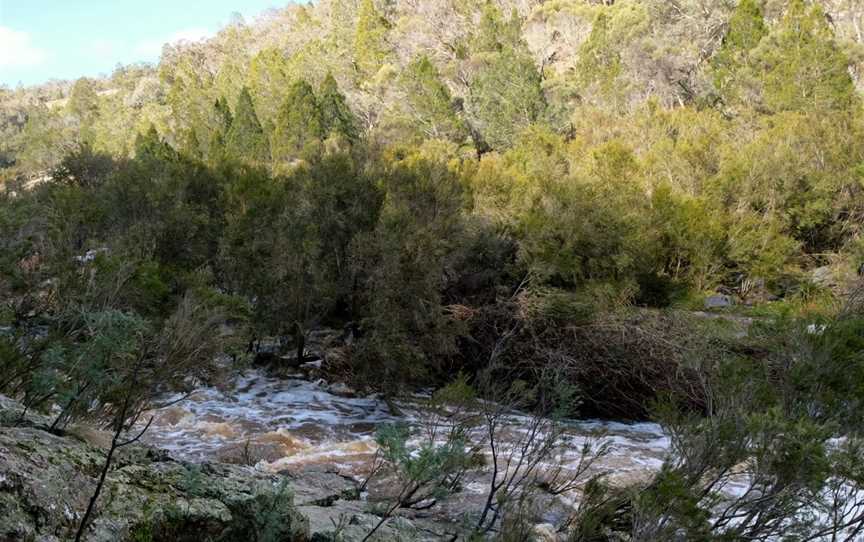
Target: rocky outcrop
{"type": "Point", "coordinates": [46, 481]}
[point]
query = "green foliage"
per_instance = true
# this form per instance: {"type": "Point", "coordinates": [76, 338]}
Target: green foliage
{"type": "Point", "coordinates": [506, 94]}
{"type": "Point", "coordinates": [465, 197]}
{"type": "Point", "coordinates": [245, 140]}
{"type": "Point", "coordinates": [299, 125]}
{"type": "Point", "coordinates": [732, 64]}
{"type": "Point", "coordinates": [599, 60]}
{"type": "Point", "coordinates": [430, 107]}
{"type": "Point", "coordinates": [428, 471]}
{"type": "Point", "coordinates": [273, 518]}
{"type": "Point", "coordinates": [802, 68]}
{"type": "Point", "coordinates": [83, 105]}
{"type": "Point", "coordinates": [149, 146]}
{"type": "Point", "coordinates": [370, 44]}
{"type": "Point", "coordinates": [45, 139]}
{"type": "Point", "coordinates": [419, 231]}
{"type": "Point", "coordinates": [495, 34]}
{"type": "Point", "coordinates": [269, 80]}
{"type": "Point", "coordinates": [295, 258]}
{"type": "Point", "coordinates": [691, 238]}
{"type": "Point", "coordinates": [336, 116]}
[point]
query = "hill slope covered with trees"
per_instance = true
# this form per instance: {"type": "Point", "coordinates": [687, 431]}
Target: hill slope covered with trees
{"type": "Point", "coordinates": [467, 187]}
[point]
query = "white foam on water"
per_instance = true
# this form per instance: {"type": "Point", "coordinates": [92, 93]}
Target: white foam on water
{"type": "Point", "coordinates": [200, 427]}
{"type": "Point", "coordinates": [330, 426]}
{"type": "Point", "coordinates": [302, 422]}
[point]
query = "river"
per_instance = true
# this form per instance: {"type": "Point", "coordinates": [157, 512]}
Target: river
{"type": "Point", "coordinates": [278, 423]}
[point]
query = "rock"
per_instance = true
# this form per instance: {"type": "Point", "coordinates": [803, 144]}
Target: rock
{"type": "Point", "coordinates": [46, 481]}
{"type": "Point", "coordinates": [545, 532]}
{"type": "Point", "coordinates": [351, 521]}
{"type": "Point", "coordinates": [321, 485]}
{"type": "Point", "coordinates": [823, 276]}
{"type": "Point", "coordinates": [341, 389]}
{"type": "Point", "coordinates": [718, 301]}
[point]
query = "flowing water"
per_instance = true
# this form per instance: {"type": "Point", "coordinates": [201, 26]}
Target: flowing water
{"type": "Point", "coordinates": [278, 424]}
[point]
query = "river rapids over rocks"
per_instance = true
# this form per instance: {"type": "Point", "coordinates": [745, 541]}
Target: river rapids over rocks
{"type": "Point", "coordinates": [279, 423]}
{"type": "Point", "coordinates": [291, 424]}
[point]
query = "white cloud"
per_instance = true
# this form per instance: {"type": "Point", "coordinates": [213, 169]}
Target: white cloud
{"type": "Point", "coordinates": [101, 47]}
{"type": "Point", "coordinates": [152, 48]}
{"type": "Point", "coordinates": [17, 51]}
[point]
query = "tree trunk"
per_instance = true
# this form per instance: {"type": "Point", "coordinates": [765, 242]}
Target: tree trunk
{"type": "Point", "coordinates": [300, 337]}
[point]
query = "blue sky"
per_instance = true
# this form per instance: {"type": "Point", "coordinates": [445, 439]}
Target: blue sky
{"type": "Point", "coordinates": [66, 39]}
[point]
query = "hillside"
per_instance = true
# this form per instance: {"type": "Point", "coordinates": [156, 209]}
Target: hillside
{"type": "Point", "coordinates": [514, 215]}
{"type": "Point", "coordinates": [580, 50]}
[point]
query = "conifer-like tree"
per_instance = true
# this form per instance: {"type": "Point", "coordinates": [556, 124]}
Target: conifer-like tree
{"type": "Point", "coordinates": [336, 116]}
{"type": "Point", "coordinates": [190, 145]}
{"type": "Point", "coordinates": [83, 105]}
{"type": "Point", "coordinates": [506, 94]}
{"type": "Point", "coordinates": [370, 44]}
{"type": "Point", "coordinates": [802, 68]}
{"type": "Point", "coordinates": [429, 103]}
{"type": "Point", "coordinates": [299, 126]}
{"type": "Point", "coordinates": [222, 120]}
{"type": "Point", "coordinates": [732, 64]}
{"type": "Point", "coordinates": [494, 33]}
{"type": "Point", "coordinates": [599, 62]}
{"type": "Point", "coordinates": [83, 101]}
{"type": "Point", "coordinates": [268, 79]}
{"type": "Point", "coordinates": [150, 146]}
{"type": "Point", "coordinates": [246, 139]}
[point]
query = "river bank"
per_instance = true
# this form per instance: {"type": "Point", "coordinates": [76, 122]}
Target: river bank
{"type": "Point", "coordinates": [210, 462]}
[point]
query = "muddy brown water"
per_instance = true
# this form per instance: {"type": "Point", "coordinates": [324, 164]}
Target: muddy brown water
{"type": "Point", "coordinates": [279, 424]}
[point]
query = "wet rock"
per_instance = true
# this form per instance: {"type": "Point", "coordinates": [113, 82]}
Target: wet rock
{"type": "Point", "coordinates": [341, 389]}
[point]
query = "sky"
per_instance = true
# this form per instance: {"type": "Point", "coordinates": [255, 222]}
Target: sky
{"type": "Point", "coordinates": [67, 39]}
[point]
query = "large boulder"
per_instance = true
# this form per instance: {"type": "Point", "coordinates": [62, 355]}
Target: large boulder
{"type": "Point", "coordinates": [46, 481]}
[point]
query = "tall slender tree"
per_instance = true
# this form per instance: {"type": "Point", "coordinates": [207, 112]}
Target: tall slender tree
{"type": "Point", "coordinates": [246, 140]}
{"type": "Point", "coordinates": [336, 115]}
{"type": "Point", "coordinates": [299, 126]}
{"type": "Point", "coordinates": [370, 43]}
{"type": "Point", "coordinates": [506, 95]}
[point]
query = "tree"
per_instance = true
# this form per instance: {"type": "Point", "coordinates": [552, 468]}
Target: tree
{"type": "Point", "coordinates": [801, 67]}
{"type": "Point", "coordinates": [221, 125]}
{"type": "Point", "coordinates": [420, 232]}
{"type": "Point", "coordinates": [246, 140]}
{"type": "Point", "coordinates": [83, 101]}
{"type": "Point", "coordinates": [45, 138]}
{"type": "Point", "coordinates": [494, 34]}
{"type": "Point", "coordinates": [287, 244]}
{"type": "Point", "coordinates": [189, 94]}
{"type": "Point", "coordinates": [336, 115]}
{"type": "Point", "coordinates": [268, 80]}
{"type": "Point", "coordinates": [506, 95]}
{"type": "Point", "coordinates": [299, 125]}
{"type": "Point", "coordinates": [428, 102]}
{"type": "Point", "coordinates": [732, 65]}
{"type": "Point", "coordinates": [370, 39]}
{"type": "Point", "coordinates": [83, 106]}
{"type": "Point", "coordinates": [599, 65]}
{"type": "Point", "coordinates": [150, 146]}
